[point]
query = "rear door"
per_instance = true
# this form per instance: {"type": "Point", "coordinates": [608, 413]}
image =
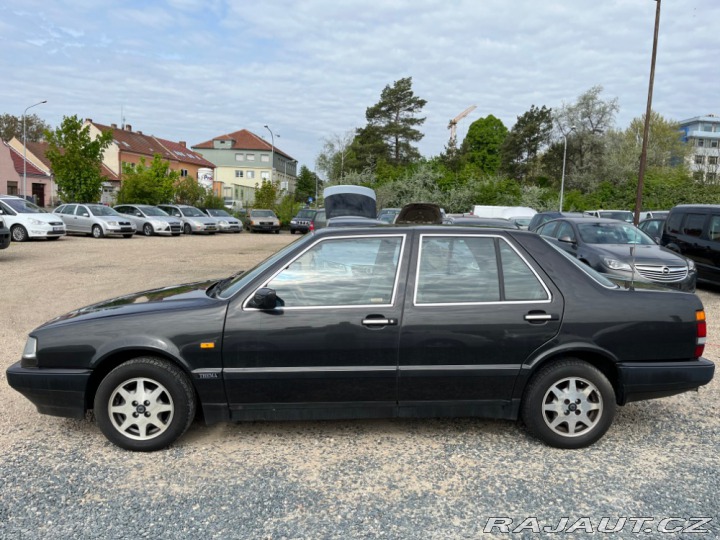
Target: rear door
{"type": "Point", "coordinates": [476, 309]}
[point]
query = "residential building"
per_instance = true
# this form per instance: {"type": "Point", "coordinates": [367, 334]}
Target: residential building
{"type": "Point", "coordinates": [22, 177]}
{"type": "Point", "coordinates": [131, 147]}
{"type": "Point", "coordinates": [702, 133]}
{"type": "Point", "coordinates": [243, 160]}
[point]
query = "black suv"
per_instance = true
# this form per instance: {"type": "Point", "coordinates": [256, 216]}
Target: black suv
{"type": "Point", "coordinates": [4, 235]}
{"type": "Point", "coordinates": [301, 222]}
{"type": "Point", "coordinates": [693, 230]}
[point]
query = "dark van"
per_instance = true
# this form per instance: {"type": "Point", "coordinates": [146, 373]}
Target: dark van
{"type": "Point", "coordinates": [693, 230]}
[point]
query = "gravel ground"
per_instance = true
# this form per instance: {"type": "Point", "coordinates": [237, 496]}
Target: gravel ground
{"type": "Point", "coordinates": [425, 479]}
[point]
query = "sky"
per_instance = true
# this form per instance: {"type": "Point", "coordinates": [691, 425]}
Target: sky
{"type": "Point", "coordinates": [190, 70]}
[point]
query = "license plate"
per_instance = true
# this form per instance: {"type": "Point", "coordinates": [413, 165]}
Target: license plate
{"type": "Point", "coordinates": [58, 229]}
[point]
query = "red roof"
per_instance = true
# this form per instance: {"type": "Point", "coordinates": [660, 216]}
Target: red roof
{"type": "Point", "coordinates": [242, 140]}
{"type": "Point", "coordinates": [149, 145]}
{"type": "Point", "coordinates": [39, 150]}
{"type": "Point", "coordinates": [17, 159]}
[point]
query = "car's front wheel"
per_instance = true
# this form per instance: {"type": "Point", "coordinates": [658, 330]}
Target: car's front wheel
{"type": "Point", "coordinates": [187, 229]}
{"type": "Point", "coordinates": [97, 231]}
{"type": "Point", "coordinates": [569, 404]}
{"type": "Point", "coordinates": [19, 233]}
{"type": "Point", "coordinates": [148, 229]}
{"type": "Point", "coordinates": [144, 404]}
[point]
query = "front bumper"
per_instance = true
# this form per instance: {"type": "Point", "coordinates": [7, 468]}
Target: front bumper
{"type": "Point", "coordinates": [229, 227]}
{"type": "Point", "coordinates": [650, 380]}
{"type": "Point", "coordinates": [57, 392]}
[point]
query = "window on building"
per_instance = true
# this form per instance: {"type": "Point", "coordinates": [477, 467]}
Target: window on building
{"type": "Point", "coordinates": [284, 186]}
{"type": "Point", "coordinates": [265, 175]}
{"type": "Point", "coordinates": [714, 143]}
{"type": "Point", "coordinates": [250, 174]}
{"type": "Point", "coordinates": [711, 177]}
{"type": "Point", "coordinates": [239, 157]}
{"type": "Point", "coordinates": [698, 176]}
{"type": "Point", "coordinates": [265, 158]}
{"type": "Point", "coordinates": [701, 142]}
{"type": "Point", "coordinates": [238, 173]}
{"type": "Point", "coordinates": [250, 157]}
{"type": "Point", "coordinates": [183, 172]}
{"type": "Point", "coordinates": [712, 160]}
{"type": "Point", "coordinates": [699, 159]}
{"type": "Point", "coordinates": [12, 188]}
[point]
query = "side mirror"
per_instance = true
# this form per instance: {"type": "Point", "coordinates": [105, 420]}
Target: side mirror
{"type": "Point", "coordinates": [264, 298]}
{"type": "Point", "coordinates": [566, 239]}
{"type": "Point", "coordinates": [85, 214]}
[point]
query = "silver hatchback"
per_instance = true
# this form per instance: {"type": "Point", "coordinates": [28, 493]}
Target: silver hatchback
{"type": "Point", "coordinates": [150, 220]}
{"type": "Point", "coordinates": [94, 219]}
{"type": "Point", "coordinates": [194, 221]}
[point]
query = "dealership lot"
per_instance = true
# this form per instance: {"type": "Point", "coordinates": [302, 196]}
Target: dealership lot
{"type": "Point", "coordinates": [390, 478]}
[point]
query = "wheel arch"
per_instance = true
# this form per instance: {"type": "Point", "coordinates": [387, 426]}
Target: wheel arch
{"type": "Point", "coordinates": [116, 358]}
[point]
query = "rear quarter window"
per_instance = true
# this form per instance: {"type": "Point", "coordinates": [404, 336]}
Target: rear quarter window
{"type": "Point", "coordinates": [694, 225]}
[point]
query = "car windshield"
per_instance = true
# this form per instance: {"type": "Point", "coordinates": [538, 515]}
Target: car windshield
{"type": "Point", "coordinates": [305, 214]}
{"type": "Point", "coordinates": [262, 213]}
{"type": "Point", "coordinates": [100, 210]}
{"type": "Point", "coordinates": [239, 281]}
{"type": "Point", "coordinates": [22, 206]}
{"type": "Point", "coordinates": [622, 215]}
{"type": "Point", "coordinates": [191, 211]}
{"type": "Point", "coordinates": [217, 213]}
{"type": "Point", "coordinates": [613, 233]}
{"type": "Point", "coordinates": [153, 211]}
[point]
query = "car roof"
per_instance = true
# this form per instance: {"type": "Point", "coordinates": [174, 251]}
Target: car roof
{"type": "Point", "coordinates": [586, 220]}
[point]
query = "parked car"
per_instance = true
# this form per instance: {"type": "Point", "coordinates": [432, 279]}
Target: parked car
{"type": "Point", "coordinates": [301, 222]}
{"type": "Point", "coordinates": [425, 321]}
{"type": "Point", "coordinates": [388, 214]}
{"type": "Point", "coordinates": [419, 213]}
{"type": "Point", "coordinates": [653, 227]}
{"type": "Point", "coordinates": [522, 222]}
{"type": "Point", "coordinates": [500, 223]}
{"type": "Point", "coordinates": [150, 219]}
{"type": "Point", "coordinates": [621, 215]}
{"type": "Point", "coordinates": [27, 220]}
{"type": "Point", "coordinates": [543, 217]}
{"type": "Point", "coordinates": [318, 221]}
{"type": "Point", "coordinates": [258, 219]}
{"type": "Point", "coordinates": [693, 230]}
{"type": "Point", "coordinates": [194, 221]}
{"type": "Point", "coordinates": [614, 247]}
{"type": "Point", "coordinates": [95, 219]}
{"type": "Point", "coordinates": [4, 235]}
{"type": "Point", "coordinates": [226, 221]}
{"type": "Point", "coordinates": [651, 214]}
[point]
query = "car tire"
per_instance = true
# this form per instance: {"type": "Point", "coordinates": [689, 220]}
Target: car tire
{"type": "Point", "coordinates": [568, 404]}
{"type": "Point", "coordinates": [292, 231]}
{"type": "Point", "coordinates": [187, 229]}
{"type": "Point", "coordinates": [97, 231]}
{"type": "Point", "coordinates": [164, 413]}
{"type": "Point", "coordinates": [148, 230]}
{"type": "Point", "coordinates": [19, 233]}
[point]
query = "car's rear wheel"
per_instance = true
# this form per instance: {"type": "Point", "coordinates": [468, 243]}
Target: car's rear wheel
{"type": "Point", "coordinates": [144, 404]}
{"type": "Point", "coordinates": [569, 404]}
{"type": "Point", "coordinates": [19, 233]}
{"type": "Point", "coordinates": [97, 231]}
{"type": "Point", "coordinates": [148, 229]}
{"type": "Point", "coordinates": [187, 229]}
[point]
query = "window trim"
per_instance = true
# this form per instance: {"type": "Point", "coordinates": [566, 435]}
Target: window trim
{"type": "Point", "coordinates": [416, 304]}
{"type": "Point", "coordinates": [264, 283]}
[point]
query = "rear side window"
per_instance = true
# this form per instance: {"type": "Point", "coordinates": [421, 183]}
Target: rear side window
{"type": "Point", "coordinates": [714, 228]}
{"type": "Point", "coordinates": [673, 222]}
{"type": "Point", "coordinates": [694, 224]}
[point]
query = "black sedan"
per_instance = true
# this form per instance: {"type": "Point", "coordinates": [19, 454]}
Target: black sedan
{"type": "Point", "coordinates": [420, 321]}
{"type": "Point", "coordinates": [620, 249]}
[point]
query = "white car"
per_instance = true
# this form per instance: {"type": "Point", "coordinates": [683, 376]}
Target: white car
{"type": "Point", "coordinates": [95, 219]}
{"type": "Point", "coordinates": [150, 220]}
{"type": "Point", "coordinates": [27, 220]}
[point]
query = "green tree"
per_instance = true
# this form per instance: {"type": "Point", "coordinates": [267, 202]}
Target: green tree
{"type": "Point", "coordinates": [526, 140]}
{"type": "Point", "coordinates": [143, 184]}
{"type": "Point", "coordinates": [187, 190]}
{"type": "Point", "coordinates": [76, 160]}
{"type": "Point", "coordinates": [266, 194]}
{"type": "Point", "coordinates": [307, 183]}
{"type": "Point", "coordinates": [11, 126]}
{"type": "Point", "coordinates": [333, 158]}
{"type": "Point", "coordinates": [211, 200]}
{"type": "Point", "coordinates": [482, 144]}
{"type": "Point", "coordinates": [392, 123]}
{"type": "Point", "coordinates": [286, 209]}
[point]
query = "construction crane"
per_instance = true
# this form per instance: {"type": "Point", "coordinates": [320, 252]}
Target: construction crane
{"type": "Point", "coordinates": [452, 126]}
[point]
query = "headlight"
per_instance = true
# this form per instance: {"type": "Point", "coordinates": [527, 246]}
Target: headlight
{"type": "Point", "coordinates": [252, 222]}
{"type": "Point", "coordinates": [224, 222]}
{"type": "Point", "coordinates": [691, 265]}
{"type": "Point", "coordinates": [614, 264]}
{"type": "Point", "coordinates": [37, 222]}
{"type": "Point", "coordinates": [113, 223]}
{"type": "Point", "coordinates": [197, 223]}
{"type": "Point", "coordinates": [158, 224]}
{"type": "Point", "coordinates": [30, 350]}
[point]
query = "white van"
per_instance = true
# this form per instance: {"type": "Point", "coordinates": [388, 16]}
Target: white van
{"type": "Point", "coordinates": [507, 212]}
{"type": "Point", "coordinates": [27, 220]}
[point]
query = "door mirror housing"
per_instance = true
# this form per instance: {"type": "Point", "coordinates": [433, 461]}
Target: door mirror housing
{"type": "Point", "coordinates": [264, 298]}
{"type": "Point", "coordinates": [566, 239]}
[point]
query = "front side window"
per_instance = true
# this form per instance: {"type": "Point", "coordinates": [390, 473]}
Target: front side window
{"type": "Point", "coordinates": [694, 224]}
{"type": "Point", "coordinates": [472, 270]}
{"type": "Point", "coordinates": [341, 272]}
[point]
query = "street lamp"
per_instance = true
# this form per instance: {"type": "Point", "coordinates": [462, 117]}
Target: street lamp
{"type": "Point", "coordinates": [25, 148]}
{"type": "Point", "coordinates": [562, 180]}
{"type": "Point", "coordinates": [272, 155]}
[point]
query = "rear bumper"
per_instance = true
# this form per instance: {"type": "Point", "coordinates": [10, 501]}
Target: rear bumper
{"type": "Point", "coordinates": [57, 392]}
{"type": "Point", "coordinates": [650, 380]}
{"type": "Point", "coordinates": [4, 238]}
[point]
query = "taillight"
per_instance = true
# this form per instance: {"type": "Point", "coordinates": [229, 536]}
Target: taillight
{"type": "Point", "coordinates": [701, 333]}
{"type": "Point", "coordinates": [312, 226]}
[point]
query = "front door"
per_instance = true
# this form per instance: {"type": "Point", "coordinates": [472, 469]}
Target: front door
{"type": "Point", "coordinates": [331, 349]}
{"type": "Point", "coordinates": [476, 310]}
{"type": "Point", "coordinates": [38, 191]}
